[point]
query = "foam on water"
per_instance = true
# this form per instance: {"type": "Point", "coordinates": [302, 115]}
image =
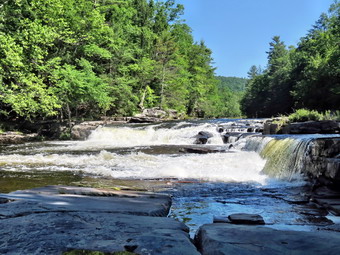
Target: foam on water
{"type": "Point", "coordinates": [180, 134]}
{"type": "Point", "coordinates": [227, 167]}
{"type": "Point", "coordinates": [118, 152]}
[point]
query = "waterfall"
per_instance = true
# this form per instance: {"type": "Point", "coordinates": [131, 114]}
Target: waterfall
{"type": "Point", "coordinates": [284, 156]}
{"type": "Point", "coordinates": [287, 157]}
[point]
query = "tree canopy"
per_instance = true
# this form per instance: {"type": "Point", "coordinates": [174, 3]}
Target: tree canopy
{"type": "Point", "coordinates": [305, 76]}
{"type": "Point", "coordinates": [85, 58]}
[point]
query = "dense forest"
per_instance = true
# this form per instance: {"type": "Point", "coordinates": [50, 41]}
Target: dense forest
{"type": "Point", "coordinates": [66, 59]}
{"type": "Point", "coordinates": [231, 91]}
{"type": "Point", "coordinates": [306, 76]}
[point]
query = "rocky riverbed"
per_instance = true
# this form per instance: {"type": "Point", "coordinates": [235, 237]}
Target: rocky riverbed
{"type": "Point", "coordinates": [218, 185]}
{"type": "Point", "coordinates": [64, 219]}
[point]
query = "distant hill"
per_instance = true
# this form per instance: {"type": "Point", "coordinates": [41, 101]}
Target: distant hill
{"type": "Point", "coordinates": [235, 84]}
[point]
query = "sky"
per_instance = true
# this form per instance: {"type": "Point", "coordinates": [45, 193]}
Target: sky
{"type": "Point", "coordinates": [239, 31]}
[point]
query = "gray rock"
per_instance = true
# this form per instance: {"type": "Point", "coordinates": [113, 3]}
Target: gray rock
{"type": "Point", "coordinates": [56, 219]}
{"type": "Point", "coordinates": [245, 218]}
{"type": "Point", "coordinates": [228, 239]}
{"type": "Point", "coordinates": [84, 129]}
{"type": "Point", "coordinates": [202, 137]}
{"type": "Point", "coordinates": [200, 150]}
{"type": "Point", "coordinates": [3, 200]}
{"type": "Point", "coordinates": [57, 232]}
{"type": "Point", "coordinates": [16, 138]}
{"type": "Point", "coordinates": [221, 219]}
{"type": "Point", "coordinates": [155, 112]}
{"type": "Point", "coordinates": [71, 199]}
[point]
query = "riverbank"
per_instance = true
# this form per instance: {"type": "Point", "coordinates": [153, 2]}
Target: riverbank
{"type": "Point", "coordinates": [79, 220]}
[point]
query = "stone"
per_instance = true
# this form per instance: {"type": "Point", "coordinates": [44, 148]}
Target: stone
{"type": "Point", "coordinates": [56, 232]}
{"type": "Point", "coordinates": [16, 138]}
{"type": "Point", "coordinates": [228, 239]}
{"type": "Point", "coordinates": [70, 199]}
{"type": "Point", "coordinates": [245, 218]}
{"type": "Point", "coordinates": [332, 205]}
{"type": "Point", "coordinates": [221, 219]}
{"type": "Point", "coordinates": [202, 137]}
{"type": "Point", "coordinates": [4, 200]}
{"type": "Point", "coordinates": [154, 112]}
{"type": "Point", "coordinates": [231, 137]}
{"type": "Point", "coordinates": [83, 130]}
{"type": "Point", "coordinates": [201, 150]}
{"type": "Point", "coordinates": [57, 219]}
{"type": "Point", "coordinates": [313, 127]}
{"type": "Point", "coordinates": [144, 120]}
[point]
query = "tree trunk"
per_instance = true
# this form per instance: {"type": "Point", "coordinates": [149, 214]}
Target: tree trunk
{"type": "Point", "coordinates": [162, 87]}
{"type": "Point", "coordinates": [69, 115]}
{"type": "Point", "coordinates": [141, 104]}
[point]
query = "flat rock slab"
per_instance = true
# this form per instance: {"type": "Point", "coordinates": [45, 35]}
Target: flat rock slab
{"type": "Point", "coordinates": [57, 232]}
{"type": "Point", "coordinates": [246, 218]}
{"type": "Point", "coordinates": [232, 239]}
{"type": "Point", "coordinates": [75, 199]}
{"type": "Point", "coordinates": [56, 219]}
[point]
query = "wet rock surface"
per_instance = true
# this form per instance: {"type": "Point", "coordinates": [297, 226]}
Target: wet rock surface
{"type": "Point", "coordinates": [55, 219]}
{"type": "Point", "coordinates": [328, 199]}
{"type": "Point", "coordinates": [222, 238]}
{"type": "Point", "coordinates": [246, 218]}
{"type": "Point", "coordinates": [201, 150]}
{"type": "Point", "coordinates": [202, 137]}
{"type": "Point", "coordinates": [15, 138]}
{"type": "Point", "coordinates": [83, 130]}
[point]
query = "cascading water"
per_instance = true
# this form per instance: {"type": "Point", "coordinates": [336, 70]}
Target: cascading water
{"type": "Point", "coordinates": [285, 155]}
{"type": "Point", "coordinates": [231, 181]}
{"type": "Point", "coordinates": [141, 152]}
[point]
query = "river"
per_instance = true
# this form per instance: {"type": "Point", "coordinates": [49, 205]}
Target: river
{"type": "Point", "coordinates": [151, 157]}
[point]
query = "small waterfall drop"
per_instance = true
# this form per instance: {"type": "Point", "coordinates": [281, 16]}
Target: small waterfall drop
{"type": "Point", "coordinates": [285, 155]}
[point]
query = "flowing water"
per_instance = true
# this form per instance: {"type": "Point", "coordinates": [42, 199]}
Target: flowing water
{"type": "Point", "coordinates": [202, 185]}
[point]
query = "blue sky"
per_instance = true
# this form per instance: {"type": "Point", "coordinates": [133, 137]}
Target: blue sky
{"type": "Point", "coordinates": [239, 31]}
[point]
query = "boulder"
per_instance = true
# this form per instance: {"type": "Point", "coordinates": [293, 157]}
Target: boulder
{"type": "Point", "coordinates": [202, 137]}
{"type": "Point", "coordinates": [228, 239]}
{"type": "Point", "coordinates": [154, 112]}
{"type": "Point", "coordinates": [83, 130]}
{"type": "Point", "coordinates": [231, 137]}
{"type": "Point", "coordinates": [16, 138]}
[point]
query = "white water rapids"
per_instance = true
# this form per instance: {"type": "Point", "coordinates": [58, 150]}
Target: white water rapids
{"type": "Point", "coordinates": [140, 152]}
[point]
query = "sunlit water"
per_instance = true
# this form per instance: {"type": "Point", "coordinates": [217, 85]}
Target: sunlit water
{"type": "Point", "coordinates": [222, 183]}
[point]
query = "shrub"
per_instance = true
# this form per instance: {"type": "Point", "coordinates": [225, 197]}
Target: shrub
{"type": "Point", "coordinates": [302, 115]}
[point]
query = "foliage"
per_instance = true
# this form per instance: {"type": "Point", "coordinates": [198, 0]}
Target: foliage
{"type": "Point", "coordinates": [233, 83]}
{"type": "Point", "coordinates": [307, 76]}
{"type": "Point", "coordinates": [302, 115]}
{"type": "Point", "coordinates": [84, 58]}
